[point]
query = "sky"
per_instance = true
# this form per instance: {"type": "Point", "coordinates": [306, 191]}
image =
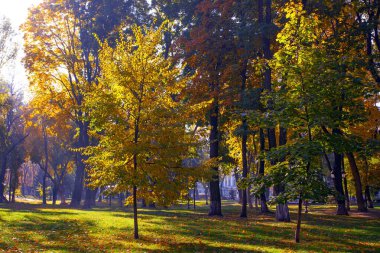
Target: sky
{"type": "Point", "coordinates": [17, 12]}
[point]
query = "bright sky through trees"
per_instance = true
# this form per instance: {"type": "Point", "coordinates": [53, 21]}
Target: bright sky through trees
{"type": "Point", "coordinates": [17, 11]}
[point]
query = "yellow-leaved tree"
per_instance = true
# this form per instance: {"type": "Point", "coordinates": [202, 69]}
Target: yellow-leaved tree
{"type": "Point", "coordinates": [140, 120]}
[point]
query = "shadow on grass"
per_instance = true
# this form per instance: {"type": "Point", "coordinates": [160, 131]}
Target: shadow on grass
{"type": "Point", "coordinates": [320, 231]}
{"type": "Point", "coordinates": [46, 234]}
{"type": "Point", "coordinates": [36, 208]}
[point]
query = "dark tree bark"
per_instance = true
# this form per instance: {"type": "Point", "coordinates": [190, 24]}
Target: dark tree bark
{"type": "Point", "coordinates": [55, 194]}
{"type": "Point", "coordinates": [10, 185]}
{"type": "Point", "coordinates": [266, 86]}
{"type": "Point", "coordinates": [337, 172]}
{"type": "Point", "coordinates": [215, 199]}
{"type": "Point", "coordinates": [3, 158]}
{"type": "Point", "coordinates": [206, 195]}
{"type": "Point", "coordinates": [194, 196]}
{"type": "Point", "coordinates": [62, 194]}
{"type": "Point", "coordinates": [367, 192]}
{"type": "Point", "coordinates": [368, 197]}
{"type": "Point", "coordinates": [358, 185]}
{"type": "Point", "coordinates": [100, 197]}
{"type": "Point", "coordinates": [282, 209]}
{"type": "Point", "coordinates": [244, 138]}
{"type": "Point", "coordinates": [188, 199]}
{"type": "Point", "coordinates": [121, 199]}
{"type": "Point", "coordinates": [168, 42]}
{"type": "Point", "coordinates": [78, 183]}
{"type": "Point", "coordinates": [299, 216]}
{"type": "Point", "coordinates": [79, 173]}
{"type": "Point", "coordinates": [44, 187]}
{"type": "Point", "coordinates": [249, 195]}
{"type": "Point", "coordinates": [90, 198]}
{"type": "Point", "coordinates": [46, 153]}
{"type": "Point", "coordinates": [134, 190]}
{"type": "Point", "coordinates": [135, 222]}
{"type": "Point", "coordinates": [345, 186]}
{"type": "Point", "coordinates": [263, 198]}
{"type": "Point", "coordinates": [373, 19]}
{"type": "Point", "coordinates": [13, 199]}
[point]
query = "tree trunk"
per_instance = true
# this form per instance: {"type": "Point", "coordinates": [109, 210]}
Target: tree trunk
{"type": "Point", "coordinates": [244, 138]}
{"type": "Point", "coordinates": [250, 203]}
{"type": "Point", "coordinates": [44, 187]}
{"type": "Point", "coordinates": [188, 199]}
{"type": "Point", "coordinates": [136, 228]}
{"type": "Point", "coordinates": [282, 209]}
{"type": "Point", "coordinates": [90, 197]}
{"type": "Point", "coordinates": [195, 188]}
{"type": "Point", "coordinates": [121, 199]}
{"type": "Point", "coordinates": [13, 199]}
{"type": "Point", "coordinates": [368, 197]}
{"type": "Point", "coordinates": [263, 199]}
{"type": "Point", "coordinates": [215, 199]}
{"type": "Point", "coordinates": [80, 170]}
{"type": "Point", "coordinates": [3, 157]}
{"type": "Point", "coordinates": [100, 197]}
{"type": "Point", "coordinates": [206, 195]}
{"type": "Point", "coordinates": [299, 214]}
{"type": "Point", "coordinates": [357, 181]}
{"type": "Point", "coordinates": [10, 185]}
{"type": "Point", "coordinates": [46, 151]}
{"type": "Point", "coordinates": [371, 62]}
{"type": "Point", "coordinates": [282, 212]}
{"type": "Point", "coordinates": [337, 172]}
{"type": "Point", "coordinates": [134, 190]}
{"type": "Point", "coordinates": [345, 186]}
{"type": "Point", "coordinates": [62, 194]}
{"type": "Point", "coordinates": [168, 42]}
{"type": "Point", "coordinates": [55, 194]}
{"type": "Point", "coordinates": [268, 71]}
{"type": "Point", "coordinates": [78, 183]}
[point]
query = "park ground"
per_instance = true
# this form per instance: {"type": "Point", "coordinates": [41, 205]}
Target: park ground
{"type": "Point", "coordinates": [30, 227]}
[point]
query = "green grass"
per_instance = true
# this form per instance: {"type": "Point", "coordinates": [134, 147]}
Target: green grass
{"type": "Point", "coordinates": [26, 227]}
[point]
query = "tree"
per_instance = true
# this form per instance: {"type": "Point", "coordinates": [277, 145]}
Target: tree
{"type": "Point", "coordinates": [206, 48]}
{"type": "Point", "coordinates": [11, 130]}
{"type": "Point", "coordinates": [138, 118]}
{"type": "Point", "coordinates": [332, 88]}
{"type": "Point", "coordinates": [300, 172]}
{"type": "Point", "coordinates": [49, 145]}
{"type": "Point", "coordinates": [63, 64]}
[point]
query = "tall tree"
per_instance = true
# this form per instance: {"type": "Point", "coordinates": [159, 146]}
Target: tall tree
{"type": "Point", "coordinates": [205, 54]}
{"type": "Point", "coordinates": [63, 64]}
{"type": "Point", "coordinates": [138, 119]}
{"type": "Point", "coordinates": [12, 133]}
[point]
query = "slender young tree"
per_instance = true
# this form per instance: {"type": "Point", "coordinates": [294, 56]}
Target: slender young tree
{"type": "Point", "coordinates": [140, 121]}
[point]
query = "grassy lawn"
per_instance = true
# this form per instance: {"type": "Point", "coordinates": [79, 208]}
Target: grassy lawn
{"type": "Point", "coordinates": [27, 227]}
